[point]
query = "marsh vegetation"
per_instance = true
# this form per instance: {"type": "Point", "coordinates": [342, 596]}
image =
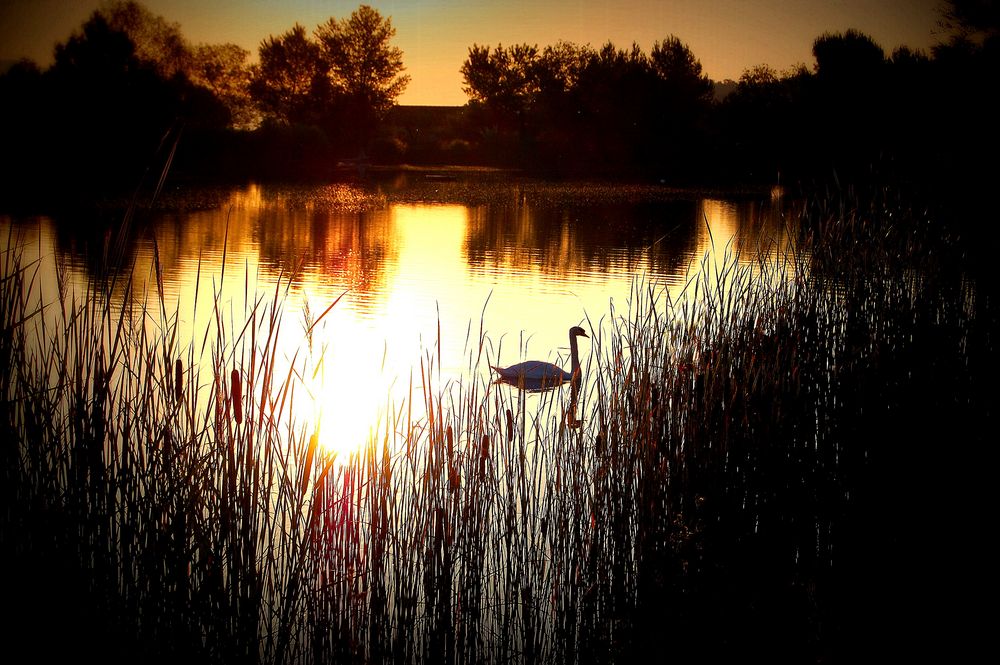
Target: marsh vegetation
{"type": "Point", "coordinates": [767, 469]}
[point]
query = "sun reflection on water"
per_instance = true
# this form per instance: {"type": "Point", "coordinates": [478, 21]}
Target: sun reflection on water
{"type": "Point", "coordinates": [417, 282]}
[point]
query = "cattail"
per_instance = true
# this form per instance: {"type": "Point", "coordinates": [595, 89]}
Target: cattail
{"type": "Point", "coordinates": [510, 425]}
{"type": "Point", "coordinates": [484, 452]}
{"type": "Point", "coordinates": [219, 407]}
{"type": "Point", "coordinates": [100, 379]}
{"type": "Point", "coordinates": [236, 394]}
{"type": "Point", "coordinates": [167, 442]}
{"type": "Point", "coordinates": [178, 380]}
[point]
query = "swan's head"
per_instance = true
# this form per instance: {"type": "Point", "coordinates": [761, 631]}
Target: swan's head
{"type": "Point", "coordinates": [577, 331]}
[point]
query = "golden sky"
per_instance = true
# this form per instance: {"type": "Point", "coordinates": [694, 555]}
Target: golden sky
{"type": "Point", "coordinates": [727, 36]}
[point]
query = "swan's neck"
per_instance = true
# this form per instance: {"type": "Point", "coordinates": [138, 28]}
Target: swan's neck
{"type": "Point", "coordinates": [574, 357]}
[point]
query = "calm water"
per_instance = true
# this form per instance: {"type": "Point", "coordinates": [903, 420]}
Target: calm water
{"type": "Point", "coordinates": [420, 263]}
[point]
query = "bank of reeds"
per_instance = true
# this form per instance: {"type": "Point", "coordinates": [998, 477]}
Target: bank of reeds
{"type": "Point", "coordinates": [741, 482]}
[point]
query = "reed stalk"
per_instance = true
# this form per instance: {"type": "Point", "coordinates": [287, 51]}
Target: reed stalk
{"type": "Point", "coordinates": [708, 500]}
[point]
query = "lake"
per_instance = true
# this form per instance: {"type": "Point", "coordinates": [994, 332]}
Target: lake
{"type": "Point", "coordinates": [755, 466]}
{"type": "Point", "coordinates": [421, 268]}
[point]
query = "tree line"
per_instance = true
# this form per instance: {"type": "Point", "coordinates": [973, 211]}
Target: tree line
{"type": "Point", "coordinates": [568, 107]}
{"type": "Point", "coordinates": [127, 92]}
{"type": "Point", "coordinates": [857, 112]}
{"type": "Point", "coordinates": [127, 85]}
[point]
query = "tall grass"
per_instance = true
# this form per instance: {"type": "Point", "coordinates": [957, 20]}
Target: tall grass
{"type": "Point", "coordinates": [729, 469]}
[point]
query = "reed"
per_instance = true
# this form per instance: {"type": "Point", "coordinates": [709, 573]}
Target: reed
{"type": "Point", "coordinates": [706, 504]}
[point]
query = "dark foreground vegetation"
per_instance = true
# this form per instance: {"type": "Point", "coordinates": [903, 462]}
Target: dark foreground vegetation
{"type": "Point", "coordinates": [790, 470]}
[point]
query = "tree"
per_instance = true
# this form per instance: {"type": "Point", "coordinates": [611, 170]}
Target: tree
{"type": "Point", "coordinates": [848, 103]}
{"type": "Point", "coordinates": [678, 69]}
{"type": "Point", "coordinates": [504, 80]}
{"type": "Point", "coordinates": [759, 125]}
{"type": "Point", "coordinates": [974, 20]}
{"type": "Point", "coordinates": [22, 87]}
{"type": "Point", "coordinates": [223, 70]}
{"type": "Point", "coordinates": [503, 89]}
{"type": "Point", "coordinates": [682, 98]}
{"type": "Point", "coordinates": [109, 107]}
{"type": "Point", "coordinates": [557, 74]}
{"type": "Point", "coordinates": [613, 99]}
{"type": "Point", "coordinates": [849, 57]}
{"type": "Point", "coordinates": [575, 107]}
{"type": "Point", "coordinates": [757, 76]}
{"type": "Point", "coordinates": [363, 68]}
{"type": "Point", "coordinates": [290, 79]}
{"type": "Point", "coordinates": [560, 65]}
{"type": "Point", "coordinates": [157, 41]}
{"type": "Point", "coordinates": [219, 69]}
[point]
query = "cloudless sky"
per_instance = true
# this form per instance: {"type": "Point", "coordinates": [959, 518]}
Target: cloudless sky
{"type": "Point", "coordinates": [727, 36]}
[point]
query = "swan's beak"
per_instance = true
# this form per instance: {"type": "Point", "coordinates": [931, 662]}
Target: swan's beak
{"type": "Point", "coordinates": [583, 333]}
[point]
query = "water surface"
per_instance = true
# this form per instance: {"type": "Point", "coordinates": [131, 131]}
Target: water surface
{"type": "Point", "coordinates": [421, 271]}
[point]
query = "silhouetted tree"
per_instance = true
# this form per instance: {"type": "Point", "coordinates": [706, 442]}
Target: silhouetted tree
{"type": "Point", "coordinates": [964, 102]}
{"type": "Point", "coordinates": [562, 141]}
{"type": "Point", "coordinates": [504, 80]}
{"type": "Point", "coordinates": [110, 108]}
{"type": "Point", "coordinates": [977, 21]}
{"type": "Point", "coordinates": [559, 67]}
{"type": "Point", "coordinates": [157, 41]}
{"type": "Point", "coordinates": [218, 69]}
{"type": "Point", "coordinates": [911, 119]}
{"type": "Point", "coordinates": [503, 87]}
{"type": "Point", "coordinates": [847, 58]}
{"type": "Point", "coordinates": [675, 65]}
{"type": "Point", "coordinates": [615, 100]}
{"type": "Point", "coordinates": [342, 82]}
{"type": "Point", "coordinates": [849, 106]}
{"type": "Point", "coordinates": [290, 83]}
{"type": "Point", "coordinates": [575, 108]}
{"type": "Point", "coordinates": [363, 68]}
{"type": "Point", "coordinates": [763, 130]}
{"type": "Point", "coordinates": [683, 97]}
{"type": "Point", "coordinates": [223, 70]}
{"type": "Point", "coordinates": [25, 104]}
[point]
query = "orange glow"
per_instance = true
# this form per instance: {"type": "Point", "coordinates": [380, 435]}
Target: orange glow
{"type": "Point", "coordinates": [727, 36]}
{"type": "Point", "coordinates": [407, 273]}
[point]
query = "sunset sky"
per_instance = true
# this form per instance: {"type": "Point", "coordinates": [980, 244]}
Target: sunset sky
{"type": "Point", "coordinates": [727, 36]}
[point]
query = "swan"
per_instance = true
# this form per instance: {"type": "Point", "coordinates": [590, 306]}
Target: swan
{"type": "Point", "coordinates": [538, 374]}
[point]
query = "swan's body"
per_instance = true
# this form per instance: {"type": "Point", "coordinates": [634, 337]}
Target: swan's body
{"type": "Point", "coordinates": [538, 374]}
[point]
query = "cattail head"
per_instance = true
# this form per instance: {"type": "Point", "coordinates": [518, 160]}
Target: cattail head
{"type": "Point", "coordinates": [484, 453]}
{"type": "Point", "coordinates": [178, 380]}
{"type": "Point", "coordinates": [236, 394]}
{"type": "Point", "coordinates": [100, 379]}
